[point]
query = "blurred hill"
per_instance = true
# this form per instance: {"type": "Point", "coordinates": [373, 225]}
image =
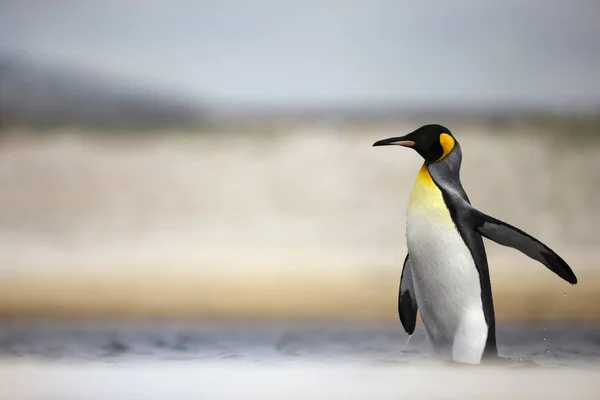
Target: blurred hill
{"type": "Point", "coordinates": [44, 96]}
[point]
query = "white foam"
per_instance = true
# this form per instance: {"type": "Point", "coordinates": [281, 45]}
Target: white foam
{"type": "Point", "coordinates": [301, 379]}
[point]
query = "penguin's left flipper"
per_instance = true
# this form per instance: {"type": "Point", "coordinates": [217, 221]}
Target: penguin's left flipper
{"type": "Point", "coordinates": [407, 302]}
{"type": "Point", "coordinates": [507, 235]}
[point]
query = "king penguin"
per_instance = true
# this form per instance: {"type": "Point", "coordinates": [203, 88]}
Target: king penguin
{"type": "Point", "coordinates": [445, 273]}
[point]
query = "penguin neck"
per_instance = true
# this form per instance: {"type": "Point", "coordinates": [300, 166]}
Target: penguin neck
{"type": "Point", "coordinates": [448, 168]}
{"type": "Point", "coordinates": [445, 174]}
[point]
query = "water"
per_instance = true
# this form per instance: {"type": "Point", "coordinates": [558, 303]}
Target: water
{"type": "Point", "coordinates": [214, 361]}
{"type": "Point", "coordinates": [277, 344]}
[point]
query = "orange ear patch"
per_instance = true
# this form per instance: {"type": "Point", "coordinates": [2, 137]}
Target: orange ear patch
{"type": "Point", "coordinates": [447, 143]}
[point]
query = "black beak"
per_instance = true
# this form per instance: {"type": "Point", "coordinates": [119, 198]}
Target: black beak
{"type": "Point", "coordinates": [397, 141]}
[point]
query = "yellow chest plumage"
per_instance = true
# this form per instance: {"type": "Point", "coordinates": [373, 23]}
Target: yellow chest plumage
{"type": "Point", "coordinates": [426, 198]}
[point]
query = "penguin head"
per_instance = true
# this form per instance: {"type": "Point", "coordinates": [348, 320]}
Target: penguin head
{"type": "Point", "coordinates": [433, 142]}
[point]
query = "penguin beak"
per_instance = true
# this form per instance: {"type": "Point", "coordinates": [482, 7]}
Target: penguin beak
{"type": "Point", "coordinates": [397, 141]}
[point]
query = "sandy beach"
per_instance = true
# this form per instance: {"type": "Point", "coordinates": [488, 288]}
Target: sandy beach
{"type": "Point", "coordinates": [306, 223]}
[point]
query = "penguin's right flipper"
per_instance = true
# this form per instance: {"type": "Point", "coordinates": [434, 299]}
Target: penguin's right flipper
{"type": "Point", "coordinates": [507, 235]}
{"type": "Point", "coordinates": [407, 302]}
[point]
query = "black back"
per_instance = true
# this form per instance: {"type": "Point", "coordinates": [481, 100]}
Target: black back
{"type": "Point", "coordinates": [446, 175]}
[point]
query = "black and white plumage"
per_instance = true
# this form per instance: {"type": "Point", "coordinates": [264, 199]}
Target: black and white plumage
{"type": "Point", "coordinates": [445, 273]}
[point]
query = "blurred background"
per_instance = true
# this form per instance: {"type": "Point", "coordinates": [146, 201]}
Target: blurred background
{"type": "Point", "coordinates": [212, 160]}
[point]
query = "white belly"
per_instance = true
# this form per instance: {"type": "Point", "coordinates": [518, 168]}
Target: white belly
{"type": "Point", "coordinates": [445, 278]}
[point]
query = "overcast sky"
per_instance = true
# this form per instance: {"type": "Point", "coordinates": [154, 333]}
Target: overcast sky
{"type": "Point", "coordinates": [537, 52]}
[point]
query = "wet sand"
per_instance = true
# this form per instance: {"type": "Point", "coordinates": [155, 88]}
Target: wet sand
{"type": "Point", "coordinates": [352, 294]}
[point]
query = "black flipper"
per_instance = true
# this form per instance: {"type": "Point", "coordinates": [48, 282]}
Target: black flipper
{"type": "Point", "coordinates": [507, 235]}
{"type": "Point", "coordinates": [407, 302]}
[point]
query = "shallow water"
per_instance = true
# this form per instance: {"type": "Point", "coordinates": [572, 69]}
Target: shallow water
{"type": "Point", "coordinates": [210, 361]}
{"type": "Point", "coordinates": [272, 344]}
